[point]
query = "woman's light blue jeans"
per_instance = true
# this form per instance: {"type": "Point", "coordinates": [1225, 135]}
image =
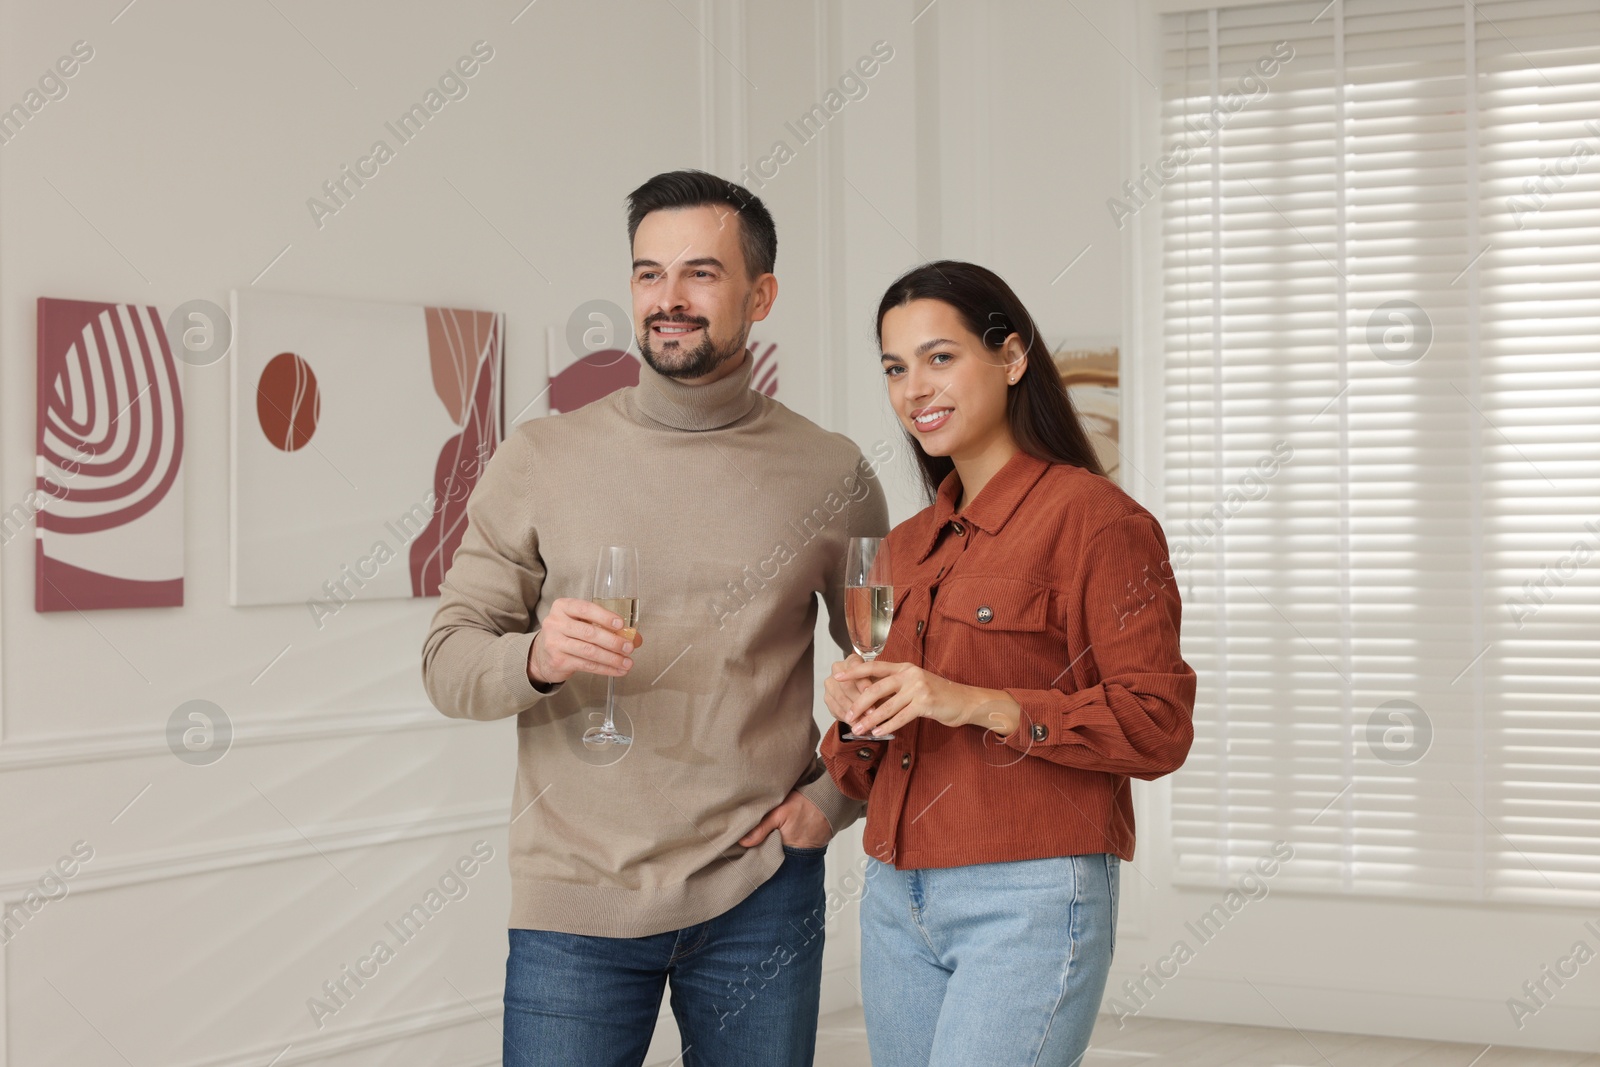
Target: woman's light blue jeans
{"type": "Point", "coordinates": [1002, 964]}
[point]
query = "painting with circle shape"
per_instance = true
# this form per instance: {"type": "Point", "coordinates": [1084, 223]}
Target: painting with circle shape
{"type": "Point", "coordinates": [108, 459]}
{"type": "Point", "coordinates": [359, 429]}
{"type": "Point", "coordinates": [287, 401]}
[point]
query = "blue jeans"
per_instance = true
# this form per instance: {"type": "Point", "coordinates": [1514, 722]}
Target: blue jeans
{"type": "Point", "coordinates": [1002, 964]}
{"type": "Point", "coordinates": [745, 985]}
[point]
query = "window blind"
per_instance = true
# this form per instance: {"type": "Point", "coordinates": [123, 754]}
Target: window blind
{"type": "Point", "coordinates": [1381, 302]}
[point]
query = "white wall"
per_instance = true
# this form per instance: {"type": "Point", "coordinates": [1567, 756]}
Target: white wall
{"type": "Point", "coordinates": [178, 166]}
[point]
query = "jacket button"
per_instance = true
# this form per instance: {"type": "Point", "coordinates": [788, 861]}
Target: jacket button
{"type": "Point", "coordinates": [905, 761]}
{"type": "Point", "coordinates": [958, 528]}
{"type": "Point", "coordinates": [985, 614]}
{"type": "Point", "coordinates": [919, 626]}
{"type": "Point", "coordinates": [1040, 731]}
{"type": "Point", "coordinates": [864, 753]}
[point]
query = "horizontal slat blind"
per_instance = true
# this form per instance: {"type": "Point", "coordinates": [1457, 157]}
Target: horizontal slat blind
{"type": "Point", "coordinates": [1381, 272]}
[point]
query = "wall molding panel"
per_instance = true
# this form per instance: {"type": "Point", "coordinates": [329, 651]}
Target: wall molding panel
{"type": "Point", "coordinates": [276, 847]}
{"type": "Point", "coordinates": [140, 742]}
{"type": "Point", "coordinates": [337, 1041]}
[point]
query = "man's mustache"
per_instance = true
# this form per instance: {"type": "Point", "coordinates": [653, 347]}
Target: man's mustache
{"type": "Point", "coordinates": [653, 320]}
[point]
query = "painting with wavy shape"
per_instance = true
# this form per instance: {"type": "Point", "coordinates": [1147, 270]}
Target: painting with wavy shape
{"type": "Point", "coordinates": [107, 505]}
{"type": "Point", "coordinates": [464, 349]}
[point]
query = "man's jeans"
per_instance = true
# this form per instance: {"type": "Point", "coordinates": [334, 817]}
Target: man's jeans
{"type": "Point", "coordinates": [745, 985]}
{"type": "Point", "coordinates": [1000, 964]}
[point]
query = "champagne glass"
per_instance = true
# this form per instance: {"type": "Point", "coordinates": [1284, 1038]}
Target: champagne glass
{"type": "Point", "coordinates": [868, 605]}
{"type": "Point", "coordinates": [616, 588]}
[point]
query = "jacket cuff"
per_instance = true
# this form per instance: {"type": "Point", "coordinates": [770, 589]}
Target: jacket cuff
{"type": "Point", "coordinates": [851, 762]}
{"type": "Point", "coordinates": [1041, 718]}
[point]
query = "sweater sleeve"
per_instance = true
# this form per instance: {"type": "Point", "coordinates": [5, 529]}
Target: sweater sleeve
{"type": "Point", "coordinates": [1136, 719]}
{"type": "Point", "coordinates": [840, 808]}
{"type": "Point", "coordinates": [475, 657]}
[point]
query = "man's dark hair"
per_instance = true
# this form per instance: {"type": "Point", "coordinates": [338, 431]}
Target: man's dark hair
{"type": "Point", "coordinates": [758, 237]}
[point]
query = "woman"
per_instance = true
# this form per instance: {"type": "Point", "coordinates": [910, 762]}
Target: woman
{"type": "Point", "coordinates": [1032, 668]}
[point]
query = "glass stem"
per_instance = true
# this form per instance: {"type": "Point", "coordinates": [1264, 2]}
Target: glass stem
{"type": "Point", "coordinates": [611, 703]}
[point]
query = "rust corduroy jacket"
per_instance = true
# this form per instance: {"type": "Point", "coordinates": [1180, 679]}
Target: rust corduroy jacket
{"type": "Point", "coordinates": [1055, 586]}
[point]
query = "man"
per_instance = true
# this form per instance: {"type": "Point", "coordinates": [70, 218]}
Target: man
{"type": "Point", "coordinates": [632, 866]}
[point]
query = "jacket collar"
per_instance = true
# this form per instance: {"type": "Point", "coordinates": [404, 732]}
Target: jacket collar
{"type": "Point", "coordinates": [695, 407]}
{"type": "Point", "coordinates": [995, 503]}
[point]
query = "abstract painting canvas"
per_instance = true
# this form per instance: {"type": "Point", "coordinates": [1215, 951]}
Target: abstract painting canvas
{"type": "Point", "coordinates": [764, 375]}
{"type": "Point", "coordinates": [108, 467]}
{"type": "Point", "coordinates": [1091, 376]}
{"type": "Point", "coordinates": [359, 430]}
{"type": "Point", "coordinates": [591, 377]}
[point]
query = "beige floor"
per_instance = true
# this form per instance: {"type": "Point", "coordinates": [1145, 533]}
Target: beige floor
{"type": "Point", "coordinates": [842, 1042]}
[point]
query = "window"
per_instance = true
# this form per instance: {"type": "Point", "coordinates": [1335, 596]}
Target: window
{"type": "Point", "coordinates": [1381, 293]}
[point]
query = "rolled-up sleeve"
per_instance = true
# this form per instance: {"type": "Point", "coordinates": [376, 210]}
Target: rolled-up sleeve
{"type": "Point", "coordinates": [1136, 718]}
{"type": "Point", "coordinates": [475, 657]}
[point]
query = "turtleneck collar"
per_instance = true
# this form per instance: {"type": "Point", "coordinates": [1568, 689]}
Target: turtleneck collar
{"type": "Point", "coordinates": [695, 407]}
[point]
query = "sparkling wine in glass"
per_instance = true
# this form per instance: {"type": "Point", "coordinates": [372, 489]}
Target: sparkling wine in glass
{"type": "Point", "coordinates": [616, 588]}
{"type": "Point", "coordinates": [868, 605]}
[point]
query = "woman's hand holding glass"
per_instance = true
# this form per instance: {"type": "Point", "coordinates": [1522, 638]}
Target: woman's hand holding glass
{"type": "Point", "coordinates": [839, 696]}
{"type": "Point", "coordinates": [880, 697]}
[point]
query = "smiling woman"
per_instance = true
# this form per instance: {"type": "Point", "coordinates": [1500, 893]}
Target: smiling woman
{"type": "Point", "coordinates": [957, 331]}
{"type": "Point", "coordinates": [1008, 684]}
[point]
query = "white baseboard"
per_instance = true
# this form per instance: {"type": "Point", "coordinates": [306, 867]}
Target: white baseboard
{"type": "Point", "coordinates": [1261, 1000]}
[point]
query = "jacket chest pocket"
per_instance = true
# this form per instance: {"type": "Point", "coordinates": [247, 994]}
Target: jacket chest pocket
{"type": "Point", "coordinates": [999, 629]}
{"type": "Point", "coordinates": [992, 603]}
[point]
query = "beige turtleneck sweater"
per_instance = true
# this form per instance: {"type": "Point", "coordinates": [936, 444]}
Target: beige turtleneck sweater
{"type": "Point", "coordinates": [740, 510]}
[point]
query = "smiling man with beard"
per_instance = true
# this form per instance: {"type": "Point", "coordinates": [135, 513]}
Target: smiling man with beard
{"type": "Point", "coordinates": [658, 863]}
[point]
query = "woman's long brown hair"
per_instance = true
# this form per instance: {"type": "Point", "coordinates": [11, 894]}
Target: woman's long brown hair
{"type": "Point", "coordinates": [1038, 409]}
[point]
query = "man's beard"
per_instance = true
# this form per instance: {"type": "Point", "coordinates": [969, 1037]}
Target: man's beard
{"type": "Point", "coordinates": [695, 363]}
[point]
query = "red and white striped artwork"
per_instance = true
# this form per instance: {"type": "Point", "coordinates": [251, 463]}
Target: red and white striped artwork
{"type": "Point", "coordinates": [108, 459]}
{"type": "Point", "coordinates": [764, 375]}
